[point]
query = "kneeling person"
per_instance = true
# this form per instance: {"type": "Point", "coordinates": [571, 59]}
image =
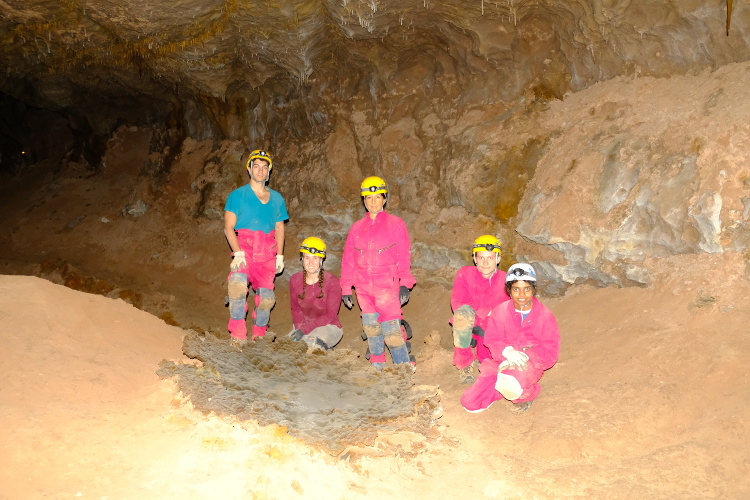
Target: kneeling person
{"type": "Point", "coordinates": [476, 291]}
{"type": "Point", "coordinates": [524, 340]}
{"type": "Point", "coordinates": [315, 297]}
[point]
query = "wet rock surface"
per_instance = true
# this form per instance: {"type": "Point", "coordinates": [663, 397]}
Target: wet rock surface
{"type": "Point", "coordinates": [329, 399]}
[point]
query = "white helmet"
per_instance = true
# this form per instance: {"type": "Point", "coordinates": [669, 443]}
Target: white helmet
{"type": "Point", "coordinates": [520, 272]}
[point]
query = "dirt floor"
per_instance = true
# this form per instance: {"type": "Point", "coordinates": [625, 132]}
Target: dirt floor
{"type": "Point", "coordinates": [649, 400]}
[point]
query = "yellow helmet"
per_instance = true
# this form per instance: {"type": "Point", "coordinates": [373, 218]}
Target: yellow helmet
{"type": "Point", "coordinates": [261, 154]}
{"type": "Point", "coordinates": [313, 246]}
{"type": "Point", "coordinates": [373, 185]}
{"type": "Point", "coordinates": [486, 243]}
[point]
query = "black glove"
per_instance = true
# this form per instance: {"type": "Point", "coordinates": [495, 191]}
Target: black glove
{"type": "Point", "coordinates": [403, 295]}
{"type": "Point", "coordinates": [478, 331]}
{"type": "Point", "coordinates": [348, 301]}
{"type": "Point", "coordinates": [297, 334]}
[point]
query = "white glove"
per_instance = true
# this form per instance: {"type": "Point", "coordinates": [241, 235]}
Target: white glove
{"type": "Point", "coordinates": [279, 263]}
{"type": "Point", "coordinates": [238, 261]}
{"type": "Point", "coordinates": [517, 359]}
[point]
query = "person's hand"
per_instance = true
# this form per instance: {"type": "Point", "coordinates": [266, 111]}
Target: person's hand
{"type": "Point", "coordinates": [517, 359]}
{"type": "Point", "coordinates": [478, 331]}
{"type": "Point", "coordinates": [348, 301]}
{"type": "Point", "coordinates": [297, 334]}
{"type": "Point", "coordinates": [403, 294]}
{"type": "Point", "coordinates": [238, 262]}
{"type": "Point", "coordinates": [279, 264]}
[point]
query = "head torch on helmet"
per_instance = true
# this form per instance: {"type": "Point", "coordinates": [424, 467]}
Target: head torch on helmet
{"type": "Point", "coordinates": [486, 243]}
{"type": "Point", "coordinates": [373, 185]}
{"type": "Point", "coordinates": [261, 155]}
{"type": "Point", "coordinates": [520, 272]}
{"type": "Point", "coordinates": [313, 246]}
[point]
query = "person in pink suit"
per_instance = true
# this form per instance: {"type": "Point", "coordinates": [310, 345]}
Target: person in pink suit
{"type": "Point", "coordinates": [315, 299]}
{"type": "Point", "coordinates": [254, 218]}
{"type": "Point", "coordinates": [524, 341]}
{"type": "Point", "coordinates": [377, 263]}
{"type": "Point", "coordinates": [476, 291]}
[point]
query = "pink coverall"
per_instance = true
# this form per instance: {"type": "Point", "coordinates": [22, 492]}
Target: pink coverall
{"type": "Point", "coordinates": [482, 295]}
{"type": "Point", "coordinates": [377, 261]}
{"type": "Point", "coordinates": [538, 338]}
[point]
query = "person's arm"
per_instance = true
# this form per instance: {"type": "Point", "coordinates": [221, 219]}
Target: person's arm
{"type": "Point", "coordinates": [294, 302]}
{"type": "Point", "coordinates": [332, 291]}
{"type": "Point", "coordinates": [230, 220]}
{"type": "Point", "coordinates": [347, 263]}
{"type": "Point", "coordinates": [404, 259]}
{"type": "Point", "coordinates": [280, 238]}
{"type": "Point", "coordinates": [546, 341]}
{"type": "Point", "coordinates": [461, 294]}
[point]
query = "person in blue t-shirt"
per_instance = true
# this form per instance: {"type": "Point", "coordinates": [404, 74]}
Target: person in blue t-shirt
{"type": "Point", "coordinates": [254, 218]}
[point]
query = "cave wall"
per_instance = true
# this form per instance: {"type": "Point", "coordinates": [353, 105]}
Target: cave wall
{"type": "Point", "coordinates": [523, 119]}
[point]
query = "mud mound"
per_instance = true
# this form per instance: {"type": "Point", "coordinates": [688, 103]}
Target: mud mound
{"type": "Point", "coordinates": [329, 399]}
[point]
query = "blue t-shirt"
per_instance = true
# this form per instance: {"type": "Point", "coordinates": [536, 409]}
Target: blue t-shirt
{"type": "Point", "coordinates": [254, 215]}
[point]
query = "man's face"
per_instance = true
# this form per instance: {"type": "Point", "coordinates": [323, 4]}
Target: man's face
{"type": "Point", "coordinates": [374, 202]}
{"type": "Point", "coordinates": [259, 170]}
{"type": "Point", "coordinates": [486, 262]}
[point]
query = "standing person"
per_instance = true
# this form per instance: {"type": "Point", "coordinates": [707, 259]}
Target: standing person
{"type": "Point", "coordinates": [524, 340]}
{"type": "Point", "coordinates": [254, 226]}
{"type": "Point", "coordinates": [476, 291]}
{"type": "Point", "coordinates": [315, 297]}
{"type": "Point", "coordinates": [377, 262]}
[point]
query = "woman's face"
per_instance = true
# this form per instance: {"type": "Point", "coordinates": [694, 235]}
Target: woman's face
{"type": "Point", "coordinates": [521, 292]}
{"type": "Point", "coordinates": [311, 263]}
{"type": "Point", "coordinates": [374, 202]}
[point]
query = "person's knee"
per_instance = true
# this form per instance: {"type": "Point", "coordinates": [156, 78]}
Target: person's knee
{"type": "Point", "coordinates": [508, 386]}
{"type": "Point", "coordinates": [267, 299]}
{"type": "Point", "coordinates": [392, 333]}
{"type": "Point", "coordinates": [237, 289]}
{"type": "Point", "coordinates": [237, 286]}
{"type": "Point", "coordinates": [463, 322]}
{"type": "Point", "coordinates": [370, 324]}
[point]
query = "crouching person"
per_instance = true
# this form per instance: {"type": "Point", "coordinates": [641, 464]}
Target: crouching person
{"type": "Point", "coordinates": [524, 341]}
{"type": "Point", "coordinates": [315, 297]}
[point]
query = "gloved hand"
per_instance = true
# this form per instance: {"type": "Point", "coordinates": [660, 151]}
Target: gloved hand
{"type": "Point", "coordinates": [279, 264]}
{"type": "Point", "coordinates": [403, 294]}
{"type": "Point", "coordinates": [297, 334]}
{"type": "Point", "coordinates": [238, 261]}
{"type": "Point", "coordinates": [348, 301]}
{"type": "Point", "coordinates": [517, 359]}
{"type": "Point", "coordinates": [478, 331]}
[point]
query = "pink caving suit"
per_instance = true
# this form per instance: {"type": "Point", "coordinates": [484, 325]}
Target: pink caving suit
{"type": "Point", "coordinates": [538, 338]}
{"type": "Point", "coordinates": [377, 261]}
{"type": "Point", "coordinates": [482, 294]}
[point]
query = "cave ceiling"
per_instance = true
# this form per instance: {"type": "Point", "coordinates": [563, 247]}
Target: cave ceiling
{"type": "Point", "coordinates": [223, 62]}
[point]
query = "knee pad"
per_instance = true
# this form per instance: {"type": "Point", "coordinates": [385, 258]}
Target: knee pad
{"type": "Point", "coordinates": [267, 299]}
{"type": "Point", "coordinates": [237, 288]}
{"type": "Point", "coordinates": [508, 386]}
{"type": "Point", "coordinates": [370, 324]}
{"type": "Point", "coordinates": [392, 333]}
{"type": "Point", "coordinates": [399, 354]}
{"type": "Point", "coordinates": [376, 344]}
{"type": "Point", "coordinates": [463, 322]}
{"type": "Point", "coordinates": [261, 317]}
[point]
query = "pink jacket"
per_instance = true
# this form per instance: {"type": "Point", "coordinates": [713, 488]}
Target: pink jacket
{"type": "Point", "coordinates": [538, 338]}
{"type": "Point", "coordinates": [482, 294]}
{"type": "Point", "coordinates": [312, 312]}
{"type": "Point", "coordinates": [377, 253]}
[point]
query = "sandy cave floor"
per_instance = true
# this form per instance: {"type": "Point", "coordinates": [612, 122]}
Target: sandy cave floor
{"type": "Point", "coordinates": [649, 400]}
